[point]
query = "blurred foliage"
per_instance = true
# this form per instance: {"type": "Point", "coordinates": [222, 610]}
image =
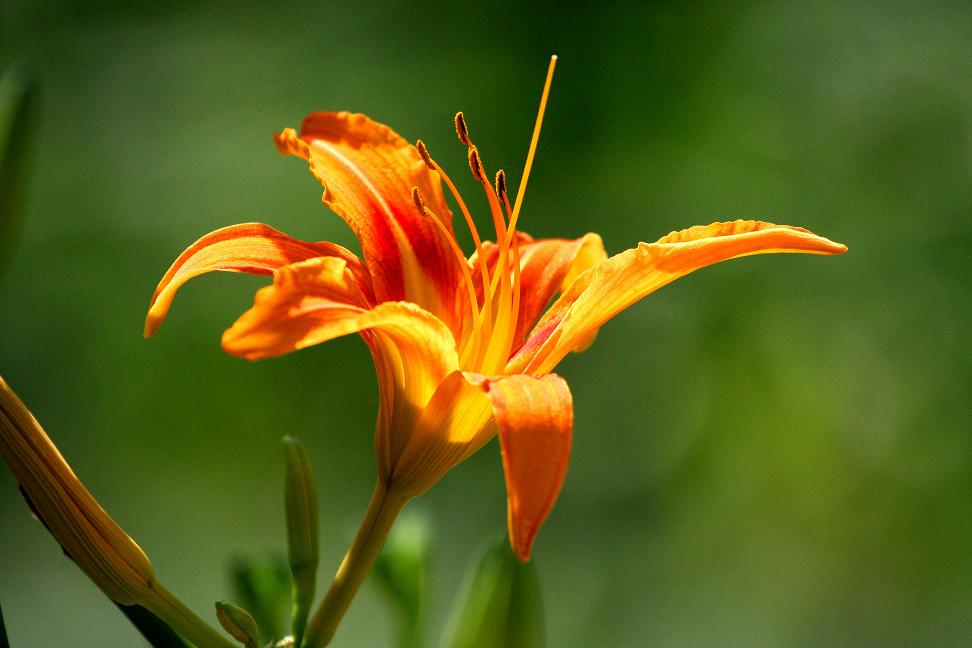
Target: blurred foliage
{"type": "Point", "coordinates": [263, 587]}
{"type": "Point", "coordinates": [18, 108]}
{"type": "Point", "coordinates": [501, 605]}
{"type": "Point", "coordinates": [771, 452]}
{"type": "Point", "coordinates": [401, 570]}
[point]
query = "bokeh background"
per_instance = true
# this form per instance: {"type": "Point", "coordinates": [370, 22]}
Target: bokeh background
{"type": "Point", "coordinates": [772, 452]}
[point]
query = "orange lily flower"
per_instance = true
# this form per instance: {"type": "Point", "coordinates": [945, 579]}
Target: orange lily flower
{"type": "Point", "coordinates": [462, 346]}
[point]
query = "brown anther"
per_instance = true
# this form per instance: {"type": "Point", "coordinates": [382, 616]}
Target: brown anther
{"type": "Point", "coordinates": [475, 164]}
{"type": "Point", "coordinates": [424, 152]}
{"type": "Point", "coordinates": [462, 130]}
{"type": "Point", "coordinates": [501, 184]}
{"type": "Point", "coordinates": [419, 203]}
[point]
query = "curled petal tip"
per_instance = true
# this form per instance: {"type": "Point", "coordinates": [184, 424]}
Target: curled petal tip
{"type": "Point", "coordinates": [152, 324]}
{"type": "Point", "coordinates": [289, 143]}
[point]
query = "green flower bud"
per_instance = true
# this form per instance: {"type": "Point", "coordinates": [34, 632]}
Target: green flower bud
{"type": "Point", "coordinates": [301, 504]}
{"type": "Point", "coordinates": [239, 623]}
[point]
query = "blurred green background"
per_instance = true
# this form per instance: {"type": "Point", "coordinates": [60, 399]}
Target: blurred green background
{"type": "Point", "coordinates": [773, 452]}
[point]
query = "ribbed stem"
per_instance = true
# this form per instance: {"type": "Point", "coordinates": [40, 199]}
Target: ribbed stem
{"type": "Point", "coordinates": [382, 512]}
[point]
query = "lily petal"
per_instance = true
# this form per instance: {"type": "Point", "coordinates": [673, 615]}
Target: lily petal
{"type": "Point", "coordinates": [603, 291]}
{"type": "Point", "coordinates": [368, 172]}
{"type": "Point", "coordinates": [549, 266]}
{"type": "Point", "coordinates": [253, 248]}
{"type": "Point", "coordinates": [317, 300]}
{"type": "Point", "coordinates": [313, 301]}
{"type": "Point", "coordinates": [535, 420]}
{"type": "Point", "coordinates": [456, 422]}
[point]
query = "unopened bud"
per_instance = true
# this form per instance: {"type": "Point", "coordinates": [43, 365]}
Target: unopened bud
{"type": "Point", "coordinates": [301, 503]}
{"type": "Point", "coordinates": [238, 623]}
{"type": "Point", "coordinates": [88, 535]}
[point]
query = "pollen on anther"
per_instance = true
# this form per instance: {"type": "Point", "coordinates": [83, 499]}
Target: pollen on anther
{"type": "Point", "coordinates": [419, 203]}
{"type": "Point", "coordinates": [462, 130]}
{"type": "Point", "coordinates": [475, 164]}
{"type": "Point", "coordinates": [424, 152]}
{"type": "Point", "coordinates": [501, 184]}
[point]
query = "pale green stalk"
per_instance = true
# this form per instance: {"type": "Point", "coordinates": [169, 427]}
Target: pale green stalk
{"type": "Point", "coordinates": [382, 512]}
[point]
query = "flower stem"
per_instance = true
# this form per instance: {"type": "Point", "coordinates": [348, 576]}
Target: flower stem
{"type": "Point", "coordinates": [181, 619]}
{"type": "Point", "coordinates": [382, 511]}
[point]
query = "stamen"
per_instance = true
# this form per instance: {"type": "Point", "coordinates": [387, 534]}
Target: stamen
{"type": "Point", "coordinates": [462, 129]}
{"type": "Point", "coordinates": [475, 164]}
{"type": "Point", "coordinates": [516, 296]}
{"type": "Point", "coordinates": [501, 191]}
{"type": "Point", "coordinates": [501, 185]}
{"type": "Point", "coordinates": [419, 203]}
{"type": "Point", "coordinates": [479, 173]}
{"type": "Point", "coordinates": [477, 241]}
{"type": "Point", "coordinates": [460, 257]}
{"type": "Point", "coordinates": [424, 152]}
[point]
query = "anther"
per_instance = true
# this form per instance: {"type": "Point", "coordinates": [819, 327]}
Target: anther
{"type": "Point", "coordinates": [419, 203]}
{"type": "Point", "coordinates": [462, 130]}
{"type": "Point", "coordinates": [476, 165]}
{"type": "Point", "coordinates": [501, 184]}
{"type": "Point", "coordinates": [424, 152]}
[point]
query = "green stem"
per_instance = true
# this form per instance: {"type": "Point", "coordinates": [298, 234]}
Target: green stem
{"type": "Point", "coordinates": [184, 621]}
{"type": "Point", "coordinates": [382, 511]}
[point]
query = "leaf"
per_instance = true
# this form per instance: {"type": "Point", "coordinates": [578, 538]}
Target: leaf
{"type": "Point", "coordinates": [18, 108]}
{"type": "Point", "coordinates": [155, 631]}
{"type": "Point", "coordinates": [502, 606]}
{"type": "Point", "coordinates": [401, 570]}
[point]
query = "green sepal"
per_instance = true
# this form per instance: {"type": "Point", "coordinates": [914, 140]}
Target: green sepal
{"type": "Point", "coordinates": [502, 606]}
{"type": "Point", "coordinates": [402, 572]}
{"type": "Point", "coordinates": [300, 495]}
